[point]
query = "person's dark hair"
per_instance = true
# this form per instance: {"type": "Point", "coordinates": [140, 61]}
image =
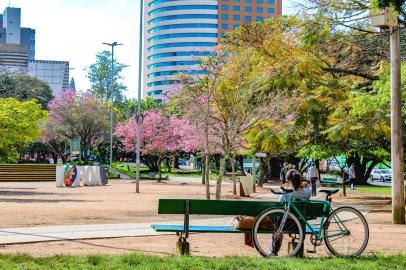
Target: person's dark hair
{"type": "Point", "coordinates": [296, 180]}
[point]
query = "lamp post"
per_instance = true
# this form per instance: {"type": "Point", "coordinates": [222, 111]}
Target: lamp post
{"type": "Point", "coordinates": [387, 19]}
{"type": "Point", "coordinates": [112, 45]}
{"type": "Point", "coordinates": [140, 57]}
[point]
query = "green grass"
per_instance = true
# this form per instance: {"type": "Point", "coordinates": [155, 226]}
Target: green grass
{"type": "Point", "coordinates": [122, 168]}
{"type": "Point", "coordinates": [138, 261]}
{"type": "Point", "coordinates": [367, 189]}
{"type": "Point", "coordinates": [374, 190]}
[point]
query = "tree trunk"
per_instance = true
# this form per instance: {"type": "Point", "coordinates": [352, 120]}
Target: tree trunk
{"type": "Point", "coordinates": [233, 175]}
{"type": "Point", "coordinates": [241, 161]}
{"type": "Point", "coordinates": [176, 162]}
{"type": "Point", "coordinates": [268, 174]}
{"type": "Point", "coordinates": [207, 172]}
{"type": "Point", "coordinates": [55, 158]}
{"type": "Point", "coordinates": [159, 169]}
{"type": "Point", "coordinates": [254, 174]}
{"type": "Point", "coordinates": [64, 159]}
{"type": "Point", "coordinates": [220, 178]}
{"type": "Point", "coordinates": [204, 170]}
{"type": "Point", "coordinates": [344, 188]}
{"type": "Point", "coordinates": [262, 170]}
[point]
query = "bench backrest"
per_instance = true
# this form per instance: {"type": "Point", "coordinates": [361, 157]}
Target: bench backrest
{"type": "Point", "coordinates": [233, 208]}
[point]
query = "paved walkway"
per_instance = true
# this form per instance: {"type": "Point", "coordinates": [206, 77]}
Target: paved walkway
{"type": "Point", "coordinates": [93, 231]}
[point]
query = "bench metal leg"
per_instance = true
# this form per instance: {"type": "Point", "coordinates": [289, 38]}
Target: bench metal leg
{"type": "Point", "coordinates": [182, 247]}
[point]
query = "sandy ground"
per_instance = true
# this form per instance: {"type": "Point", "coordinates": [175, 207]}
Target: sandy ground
{"type": "Point", "coordinates": [42, 204]}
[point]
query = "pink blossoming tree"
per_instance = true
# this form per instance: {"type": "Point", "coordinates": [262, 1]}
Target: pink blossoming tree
{"type": "Point", "coordinates": [161, 136]}
{"type": "Point", "coordinates": [73, 115]}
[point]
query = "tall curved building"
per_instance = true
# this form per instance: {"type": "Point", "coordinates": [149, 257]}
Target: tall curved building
{"type": "Point", "coordinates": [179, 32]}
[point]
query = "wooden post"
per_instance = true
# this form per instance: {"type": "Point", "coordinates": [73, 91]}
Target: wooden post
{"type": "Point", "coordinates": [398, 192]}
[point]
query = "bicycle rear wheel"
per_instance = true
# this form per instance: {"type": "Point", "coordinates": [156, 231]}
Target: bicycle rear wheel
{"type": "Point", "coordinates": [347, 233]}
{"type": "Point", "coordinates": [269, 242]}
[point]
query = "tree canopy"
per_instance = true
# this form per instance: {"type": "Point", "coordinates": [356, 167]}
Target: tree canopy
{"type": "Point", "coordinates": [24, 88]}
{"type": "Point", "coordinates": [19, 125]}
{"type": "Point", "coordinates": [100, 74]}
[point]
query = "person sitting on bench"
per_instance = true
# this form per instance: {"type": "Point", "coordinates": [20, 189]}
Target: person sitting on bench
{"type": "Point", "coordinates": [301, 189]}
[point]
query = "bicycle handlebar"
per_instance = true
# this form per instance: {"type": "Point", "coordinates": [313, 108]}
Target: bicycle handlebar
{"type": "Point", "coordinates": [283, 192]}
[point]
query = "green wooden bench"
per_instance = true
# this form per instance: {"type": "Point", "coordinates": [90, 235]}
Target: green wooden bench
{"type": "Point", "coordinates": [328, 181]}
{"type": "Point", "coordinates": [311, 210]}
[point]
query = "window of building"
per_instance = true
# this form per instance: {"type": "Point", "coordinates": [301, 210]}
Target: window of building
{"type": "Point", "coordinates": [185, 7]}
{"type": "Point", "coordinates": [224, 16]}
{"type": "Point", "coordinates": [271, 2]}
{"type": "Point", "coordinates": [182, 35]}
{"type": "Point", "coordinates": [172, 54]}
{"type": "Point", "coordinates": [235, 26]}
{"type": "Point", "coordinates": [224, 26]}
{"type": "Point", "coordinates": [271, 10]}
{"type": "Point", "coordinates": [248, 9]}
{"type": "Point", "coordinates": [248, 18]}
{"type": "Point", "coordinates": [236, 17]}
{"type": "Point", "coordinates": [181, 44]}
{"type": "Point", "coordinates": [260, 9]}
{"type": "Point", "coordinates": [236, 8]}
{"type": "Point", "coordinates": [183, 25]}
{"type": "Point", "coordinates": [260, 19]}
{"type": "Point", "coordinates": [248, 1]}
{"type": "Point", "coordinates": [260, 1]}
{"type": "Point", "coordinates": [236, 1]}
{"type": "Point", "coordinates": [154, 93]}
{"type": "Point", "coordinates": [183, 16]}
{"type": "Point", "coordinates": [224, 7]}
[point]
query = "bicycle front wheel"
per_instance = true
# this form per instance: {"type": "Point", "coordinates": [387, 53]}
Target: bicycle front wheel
{"type": "Point", "coordinates": [347, 233]}
{"type": "Point", "coordinates": [273, 237]}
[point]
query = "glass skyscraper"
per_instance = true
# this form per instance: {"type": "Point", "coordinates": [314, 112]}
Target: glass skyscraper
{"type": "Point", "coordinates": [179, 32]}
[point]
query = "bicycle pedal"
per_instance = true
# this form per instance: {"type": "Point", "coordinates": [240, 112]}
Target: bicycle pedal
{"type": "Point", "coordinates": [311, 251]}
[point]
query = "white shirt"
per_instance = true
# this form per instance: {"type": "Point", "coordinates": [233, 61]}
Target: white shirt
{"type": "Point", "coordinates": [313, 172]}
{"type": "Point", "coordinates": [299, 194]}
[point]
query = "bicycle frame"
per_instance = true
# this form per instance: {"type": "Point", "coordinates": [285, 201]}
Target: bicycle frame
{"type": "Point", "coordinates": [318, 232]}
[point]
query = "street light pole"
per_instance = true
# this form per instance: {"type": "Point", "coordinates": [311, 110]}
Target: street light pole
{"type": "Point", "coordinates": [140, 58]}
{"type": "Point", "coordinates": [112, 45]}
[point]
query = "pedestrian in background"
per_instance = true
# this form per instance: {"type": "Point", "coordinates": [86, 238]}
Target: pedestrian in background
{"type": "Point", "coordinates": [283, 172]}
{"type": "Point", "coordinates": [313, 175]}
{"type": "Point", "coordinates": [352, 176]}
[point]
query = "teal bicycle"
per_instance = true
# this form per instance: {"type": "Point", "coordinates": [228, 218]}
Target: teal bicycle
{"type": "Point", "coordinates": [281, 231]}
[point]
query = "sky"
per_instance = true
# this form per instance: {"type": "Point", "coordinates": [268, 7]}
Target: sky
{"type": "Point", "coordinates": [74, 30]}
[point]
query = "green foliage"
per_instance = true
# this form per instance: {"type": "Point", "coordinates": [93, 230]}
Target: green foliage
{"type": "Point", "coordinates": [23, 88]}
{"type": "Point", "coordinates": [128, 107]}
{"type": "Point", "coordinates": [19, 125]}
{"type": "Point", "coordinates": [396, 4]}
{"type": "Point", "coordinates": [99, 75]}
{"type": "Point", "coordinates": [139, 261]}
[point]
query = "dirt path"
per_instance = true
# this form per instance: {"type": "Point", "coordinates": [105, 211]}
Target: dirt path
{"type": "Point", "coordinates": [34, 204]}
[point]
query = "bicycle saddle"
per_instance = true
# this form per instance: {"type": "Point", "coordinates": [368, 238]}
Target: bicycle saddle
{"type": "Point", "coordinates": [329, 192]}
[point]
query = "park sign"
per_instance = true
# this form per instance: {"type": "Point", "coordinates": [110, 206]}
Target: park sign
{"type": "Point", "coordinates": [75, 147]}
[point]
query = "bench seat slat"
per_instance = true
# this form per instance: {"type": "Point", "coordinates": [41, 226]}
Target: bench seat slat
{"type": "Point", "coordinates": [209, 229]}
{"type": "Point", "coordinates": [200, 229]}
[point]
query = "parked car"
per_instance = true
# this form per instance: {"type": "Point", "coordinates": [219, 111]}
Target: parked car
{"type": "Point", "coordinates": [381, 175]}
